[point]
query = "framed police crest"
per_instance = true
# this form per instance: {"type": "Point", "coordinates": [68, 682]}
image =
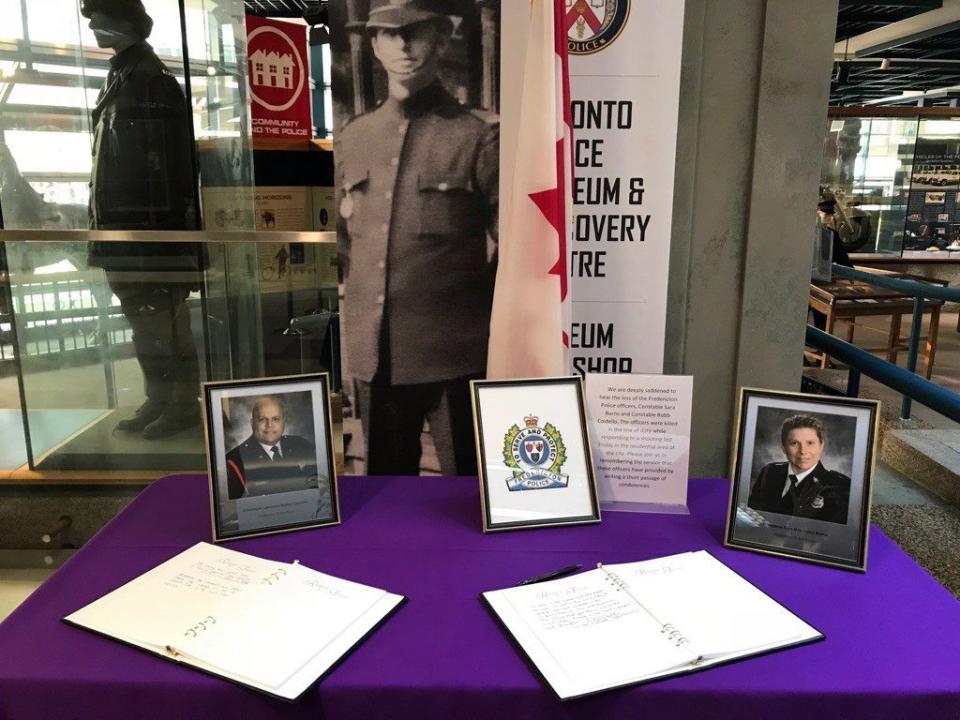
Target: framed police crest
{"type": "Point", "coordinates": [270, 455]}
{"type": "Point", "coordinates": [802, 476]}
{"type": "Point", "coordinates": [533, 452]}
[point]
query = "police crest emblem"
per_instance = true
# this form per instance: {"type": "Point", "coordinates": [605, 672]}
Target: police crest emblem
{"type": "Point", "coordinates": [594, 24]}
{"type": "Point", "coordinates": [536, 454]}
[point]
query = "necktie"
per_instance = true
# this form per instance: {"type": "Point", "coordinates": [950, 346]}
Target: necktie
{"type": "Point", "coordinates": [275, 453]}
{"type": "Point", "coordinates": [792, 493]}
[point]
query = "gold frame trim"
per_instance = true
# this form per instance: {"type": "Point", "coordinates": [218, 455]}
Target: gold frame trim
{"type": "Point", "coordinates": [867, 484]}
{"type": "Point", "coordinates": [481, 465]}
{"type": "Point", "coordinates": [324, 379]}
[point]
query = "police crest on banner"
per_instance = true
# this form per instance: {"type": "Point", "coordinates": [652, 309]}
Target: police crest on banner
{"type": "Point", "coordinates": [594, 24]}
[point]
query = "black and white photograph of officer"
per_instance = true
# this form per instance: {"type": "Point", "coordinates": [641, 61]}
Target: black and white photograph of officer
{"type": "Point", "coordinates": [270, 460]}
{"type": "Point", "coordinates": [800, 485]}
{"type": "Point", "coordinates": [416, 151]}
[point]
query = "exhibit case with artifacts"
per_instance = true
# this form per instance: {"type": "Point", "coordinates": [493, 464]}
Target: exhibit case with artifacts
{"type": "Point", "coordinates": [126, 279]}
{"type": "Point", "coordinates": [895, 173]}
{"type": "Point", "coordinates": [82, 374]}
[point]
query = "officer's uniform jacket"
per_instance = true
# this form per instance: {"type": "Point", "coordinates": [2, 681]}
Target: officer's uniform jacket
{"type": "Point", "coordinates": [417, 199]}
{"type": "Point", "coordinates": [250, 471]}
{"type": "Point", "coordinates": [823, 494]}
{"type": "Point", "coordinates": [142, 176]}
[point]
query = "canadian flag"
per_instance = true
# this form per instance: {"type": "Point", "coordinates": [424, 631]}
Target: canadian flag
{"type": "Point", "coordinates": [530, 302]}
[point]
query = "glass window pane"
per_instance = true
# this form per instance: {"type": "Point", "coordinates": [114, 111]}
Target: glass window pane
{"type": "Point", "coordinates": [62, 97]}
{"type": "Point", "coordinates": [325, 54]}
{"type": "Point", "coordinates": [56, 22]}
{"type": "Point", "coordinates": [50, 152]}
{"type": "Point", "coordinates": [10, 19]}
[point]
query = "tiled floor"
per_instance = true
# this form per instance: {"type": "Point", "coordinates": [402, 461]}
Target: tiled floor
{"type": "Point", "coordinates": [16, 586]}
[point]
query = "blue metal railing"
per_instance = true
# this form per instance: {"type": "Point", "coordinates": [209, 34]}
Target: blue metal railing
{"type": "Point", "coordinates": [904, 381]}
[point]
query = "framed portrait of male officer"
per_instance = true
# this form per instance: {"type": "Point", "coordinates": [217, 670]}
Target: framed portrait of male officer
{"type": "Point", "coordinates": [416, 152]}
{"type": "Point", "coordinates": [270, 455]}
{"type": "Point", "coordinates": [802, 477]}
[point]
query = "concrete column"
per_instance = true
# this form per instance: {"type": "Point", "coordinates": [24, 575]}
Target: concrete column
{"type": "Point", "coordinates": [754, 93]}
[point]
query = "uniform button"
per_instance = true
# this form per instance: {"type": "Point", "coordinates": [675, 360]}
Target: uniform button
{"type": "Point", "coordinates": [381, 264]}
{"type": "Point", "coordinates": [388, 195]}
{"type": "Point", "coordinates": [402, 129]}
{"type": "Point", "coordinates": [395, 161]}
{"type": "Point", "coordinates": [384, 228]}
{"type": "Point", "coordinates": [443, 187]}
{"type": "Point", "coordinates": [380, 299]}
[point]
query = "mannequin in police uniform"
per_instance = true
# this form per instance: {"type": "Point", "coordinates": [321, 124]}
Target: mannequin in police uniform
{"type": "Point", "coordinates": [802, 487]}
{"type": "Point", "coordinates": [269, 461]}
{"type": "Point", "coordinates": [417, 181]}
{"type": "Point", "coordinates": [143, 179]}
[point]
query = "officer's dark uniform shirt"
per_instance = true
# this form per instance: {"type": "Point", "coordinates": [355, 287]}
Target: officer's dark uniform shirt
{"type": "Point", "coordinates": [822, 495]}
{"type": "Point", "coordinates": [417, 187]}
{"type": "Point", "coordinates": [250, 471]}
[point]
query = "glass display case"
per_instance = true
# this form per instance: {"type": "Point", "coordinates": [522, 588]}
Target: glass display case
{"type": "Point", "coordinates": [896, 177]}
{"type": "Point", "coordinates": [52, 73]}
{"type": "Point", "coordinates": [78, 335]}
{"type": "Point", "coordinates": [78, 370]}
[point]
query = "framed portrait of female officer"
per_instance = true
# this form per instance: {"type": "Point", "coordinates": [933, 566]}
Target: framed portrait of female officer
{"type": "Point", "coordinates": [533, 453]}
{"type": "Point", "coordinates": [270, 455]}
{"type": "Point", "coordinates": [802, 474]}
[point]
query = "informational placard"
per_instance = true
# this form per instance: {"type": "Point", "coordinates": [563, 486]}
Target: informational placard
{"type": "Point", "coordinates": [625, 87]}
{"type": "Point", "coordinates": [324, 208]}
{"type": "Point", "coordinates": [640, 434]}
{"type": "Point", "coordinates": [279, 79]}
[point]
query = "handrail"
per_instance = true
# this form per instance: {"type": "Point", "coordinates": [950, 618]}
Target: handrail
{"type": "Point", "coordinates": [918, 291]}
{"type": "Point", "coordinates": [168, 236]}
{"type": "Point", "coordinates": [925, 392]}
{"type": "Point", "coordinates": [907, 287]}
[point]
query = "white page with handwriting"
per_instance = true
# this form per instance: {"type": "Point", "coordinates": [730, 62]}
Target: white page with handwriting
{"type": "Point", "coordinates": [274, 626]}
{"type": "Point", "coordinates": [272, 632]}
{"type": "Point", "coordinates": [632, 622]}
{"type": "Point", "coordinates": [719, 612]}
{"type": "Point", "coordinates": [582, 633]}
{"type": "Point", "coordinates": [165, 602]}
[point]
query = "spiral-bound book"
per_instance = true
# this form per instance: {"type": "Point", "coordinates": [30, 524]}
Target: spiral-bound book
{"type": "Point", "coordinates": [631, 623]}
{"type": "Point", "coordinates": [273, 626]}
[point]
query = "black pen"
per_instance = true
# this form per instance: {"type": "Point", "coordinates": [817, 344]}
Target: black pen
{"type": "Point", "coordinates": [569, 570]}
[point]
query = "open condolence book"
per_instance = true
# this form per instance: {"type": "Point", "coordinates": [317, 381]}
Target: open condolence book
{"type": "Point", "coordinates": [635, 622]}
{"type": "Point", "coordinates": [273, 626]}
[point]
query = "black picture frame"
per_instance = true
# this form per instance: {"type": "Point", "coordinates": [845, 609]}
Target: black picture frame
{"type": "Point", "coordinates": [250, 494]}
{"type": "Point", "coordinates": [522, 408]}
{"type": "Point", "coordinates": [786, 501]}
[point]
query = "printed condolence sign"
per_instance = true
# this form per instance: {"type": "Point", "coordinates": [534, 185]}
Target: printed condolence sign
{"type": "Point", "coordinates": [279, 78]}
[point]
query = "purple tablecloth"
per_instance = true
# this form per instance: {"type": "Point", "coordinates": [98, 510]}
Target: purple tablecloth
{"type": "Point", "coordinates": [892, 647]}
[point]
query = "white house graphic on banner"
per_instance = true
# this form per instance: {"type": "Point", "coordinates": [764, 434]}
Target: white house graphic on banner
{"type": "Point", "coordinates": [272, 69]}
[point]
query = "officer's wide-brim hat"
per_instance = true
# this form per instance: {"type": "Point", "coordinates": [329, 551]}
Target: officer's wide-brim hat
{"type": "Point", "coordinates": [394, 14]}
{"type": "Point", "coordinates": [130, 10]}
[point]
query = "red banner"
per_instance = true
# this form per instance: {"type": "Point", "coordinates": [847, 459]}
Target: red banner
{"type": "Point", "coordinates": [279, 78]}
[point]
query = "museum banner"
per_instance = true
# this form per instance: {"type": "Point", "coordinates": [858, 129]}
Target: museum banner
{"type": "Point", "coordinates": [625, 84]}
{"type": "Point", "coordinates": [279, 79]}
